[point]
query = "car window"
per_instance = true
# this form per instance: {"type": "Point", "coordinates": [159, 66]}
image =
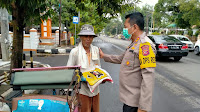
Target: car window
{"type": "Point", "coordinates": [163, 39]}
{"type": "Point", "coordinates": [183, 39]}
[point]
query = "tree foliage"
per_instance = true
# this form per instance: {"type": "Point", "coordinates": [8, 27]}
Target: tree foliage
{"type": "Point", "coordinates": [29, 12]}
{"type": "Point", "coordinates": [32, 10]}
{"type": "Point", "coordinates": [114, 27]}
{"type": "Point", "coordinates": [90, 15]}
{"type": "Point", "coordinates": [182, 12]}
{"type": "Point", "coordinates": [191, 9]}
{"type": "Point", "coordinates": [24, 12]}
{"type": "Point", "coordinates": [68, 11]}
{"type": "Point", "coordinates": [146, 11]}
{"type": "Point", "coordinates": [95, 12]}
{"type": "Point", "coordinates": [103, 7]}
{"type": "Point", "coordinates": [163, 13]}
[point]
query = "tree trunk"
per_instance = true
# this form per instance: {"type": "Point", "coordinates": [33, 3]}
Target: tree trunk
{"type": "Point", "coordinates": [18, 36]}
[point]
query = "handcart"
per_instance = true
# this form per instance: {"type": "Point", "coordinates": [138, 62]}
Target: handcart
{"type": "Point", "coordinates": [61, 78]}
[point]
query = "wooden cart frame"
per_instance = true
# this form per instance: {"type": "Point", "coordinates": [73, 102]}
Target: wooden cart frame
{"type": "Point", "coordinates": [26, 78]}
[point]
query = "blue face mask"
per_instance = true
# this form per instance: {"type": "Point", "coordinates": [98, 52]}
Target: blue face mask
{"type": "Point", "coordinates": [126, 34]}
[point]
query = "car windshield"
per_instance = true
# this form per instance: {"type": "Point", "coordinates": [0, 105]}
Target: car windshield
{"type": "Point", "coordinates": [183, 39]}
{"type": "Point", "coordinates": [164, 39]}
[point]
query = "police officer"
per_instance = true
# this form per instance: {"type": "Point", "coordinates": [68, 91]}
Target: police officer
{"type": "Point", "coordinates": [137, 66]}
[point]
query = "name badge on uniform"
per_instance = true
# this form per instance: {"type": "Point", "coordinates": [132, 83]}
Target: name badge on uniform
{"type": "Point", "coordinates": [146, 56]}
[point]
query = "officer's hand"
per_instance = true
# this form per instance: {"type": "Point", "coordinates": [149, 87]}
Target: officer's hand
{"type": "Point", "coordinates": [139, 110]}
{"type": "Point", "coordinates": [101, 53]}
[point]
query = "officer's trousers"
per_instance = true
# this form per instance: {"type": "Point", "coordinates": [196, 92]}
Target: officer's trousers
{"type": "Point", "coordinates": [127, 108]}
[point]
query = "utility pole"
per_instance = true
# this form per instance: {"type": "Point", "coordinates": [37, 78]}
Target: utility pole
{"type": "Point", "coordinates": [147, 24]}
{"type": "Point", "coordinates": [60, 6]}
{"type": "Point", "coordinates": [134, 6]}
{"type": "Point", "coordinates": [4, 34]}
{"type": "Point", "coordinates": [151, 22]}
{"type": "Point", "coordinates": [116, 31]}
{"type": "Point", "coordinates": [78, 18]}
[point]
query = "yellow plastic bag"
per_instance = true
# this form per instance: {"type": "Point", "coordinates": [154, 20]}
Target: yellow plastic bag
{"type": "Point", "coordinates": [96, 77]}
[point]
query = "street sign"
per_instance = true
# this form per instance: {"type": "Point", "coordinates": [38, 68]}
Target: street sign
{"type": "Point", "coordinates": [75, 19]}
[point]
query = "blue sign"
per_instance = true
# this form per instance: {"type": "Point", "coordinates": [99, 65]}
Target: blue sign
{"type": "Point", "coordinates": [42, 105]}
{"type": "Point", "coordinates": [75, 19]}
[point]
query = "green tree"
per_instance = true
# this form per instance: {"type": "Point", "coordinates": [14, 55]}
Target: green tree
{"type": "Point", "coordinates": [69, 10]}
{"type": "Point", "coordinates": [103, 7]}
{"type": "Point", "coordinates": [94, 12]}
{"type": "Point", "coordinates": [146, 10]}
{"type": "Point", "coordinates": [113, 27]}
{"type": "Point", "coordinates": [162, 16]}
{"type": "Point", "coordinates": [182, 12]}
{"type": "Point", "coordinates": [28, 12]}
{"type": "Point", "coordinates": [86, 17]}
{"type": "Point", "coordinates": [191, 9]}
{"type": "Point", "coordinates": [24, 12]}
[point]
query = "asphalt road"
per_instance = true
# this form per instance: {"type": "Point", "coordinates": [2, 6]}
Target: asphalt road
{"type": "Point", "coordinates": [176, 85]}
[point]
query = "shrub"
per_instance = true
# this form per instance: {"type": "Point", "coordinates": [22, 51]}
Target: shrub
{"type": "Point", "coordinates": [197, 33]}
{"type": "Point", "coordinates": [181, 32]}
{"type": "Point", "coordinates": [190, 32]}
{"type": "Point", "coordinates": [171, 32]}
{"type": "Point", "coordinates": [155, 33]}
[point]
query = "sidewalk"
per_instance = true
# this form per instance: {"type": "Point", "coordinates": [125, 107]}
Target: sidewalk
{"type": "Point", "coordinates": [119, 42]}
{"type": "Point", "coordinates": [58, 50]}
{"type": "Point", "coordinates": [3, 63]}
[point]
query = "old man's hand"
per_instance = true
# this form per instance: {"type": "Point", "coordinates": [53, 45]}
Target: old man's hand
{"type": "Point", "coordinates": [101, 53]}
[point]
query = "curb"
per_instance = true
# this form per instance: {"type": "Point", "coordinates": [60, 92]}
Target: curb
{"type": "Point", "coordinates": [54, 51]}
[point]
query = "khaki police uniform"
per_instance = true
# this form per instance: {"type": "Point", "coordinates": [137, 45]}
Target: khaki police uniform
{"type": "Point", "coordinates": [136, 73]}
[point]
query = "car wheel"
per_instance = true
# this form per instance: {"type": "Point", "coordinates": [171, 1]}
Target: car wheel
{"type": "Point", "coordinates": [177, 58]}
{"type": "Point", "coordinates": [196, 50]}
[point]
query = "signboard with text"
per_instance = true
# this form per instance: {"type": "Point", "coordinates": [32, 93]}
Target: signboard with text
{"type": "Point", "coordinates": [75, 19]}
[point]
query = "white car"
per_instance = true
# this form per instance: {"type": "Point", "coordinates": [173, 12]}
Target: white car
{"type": "Point", "coordinates": [197, 47]}
{"type": "Point", "coordinates": [185, 40]}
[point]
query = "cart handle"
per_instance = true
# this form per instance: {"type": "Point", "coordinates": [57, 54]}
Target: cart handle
{"type": "Point", "coordinates": [45, 68]}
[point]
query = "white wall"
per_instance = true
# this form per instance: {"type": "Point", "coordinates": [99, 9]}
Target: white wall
{"type": "Point", "coordinates": [31, 40]}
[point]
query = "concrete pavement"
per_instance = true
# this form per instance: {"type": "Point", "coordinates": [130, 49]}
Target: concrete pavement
{"type": "Point", "coordinates": [2, 63]}
{"type": "Point", "coordinates": [58, 50]}
{"type": "Point", "coordinates": [119, 42]}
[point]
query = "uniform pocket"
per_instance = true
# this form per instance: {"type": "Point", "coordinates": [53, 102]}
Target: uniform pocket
{"type": "Point", "coordinates": [129, 55]}
{"type": "Point", "coordinates": [136, 60]}
{"type": "Point", "coordinates": [128, 64]}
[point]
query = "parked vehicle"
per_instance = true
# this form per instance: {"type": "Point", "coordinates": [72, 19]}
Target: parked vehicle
{"type": "Point", "coordinates": [168, 46]}
{"type": "Point", "coordinates": [197, 47]}
{"type": "Point", "coordinates": [186, 40]}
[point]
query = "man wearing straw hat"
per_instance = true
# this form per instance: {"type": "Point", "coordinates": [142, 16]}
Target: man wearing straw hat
{"type": "Point", "coordinates": [87, 56]}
